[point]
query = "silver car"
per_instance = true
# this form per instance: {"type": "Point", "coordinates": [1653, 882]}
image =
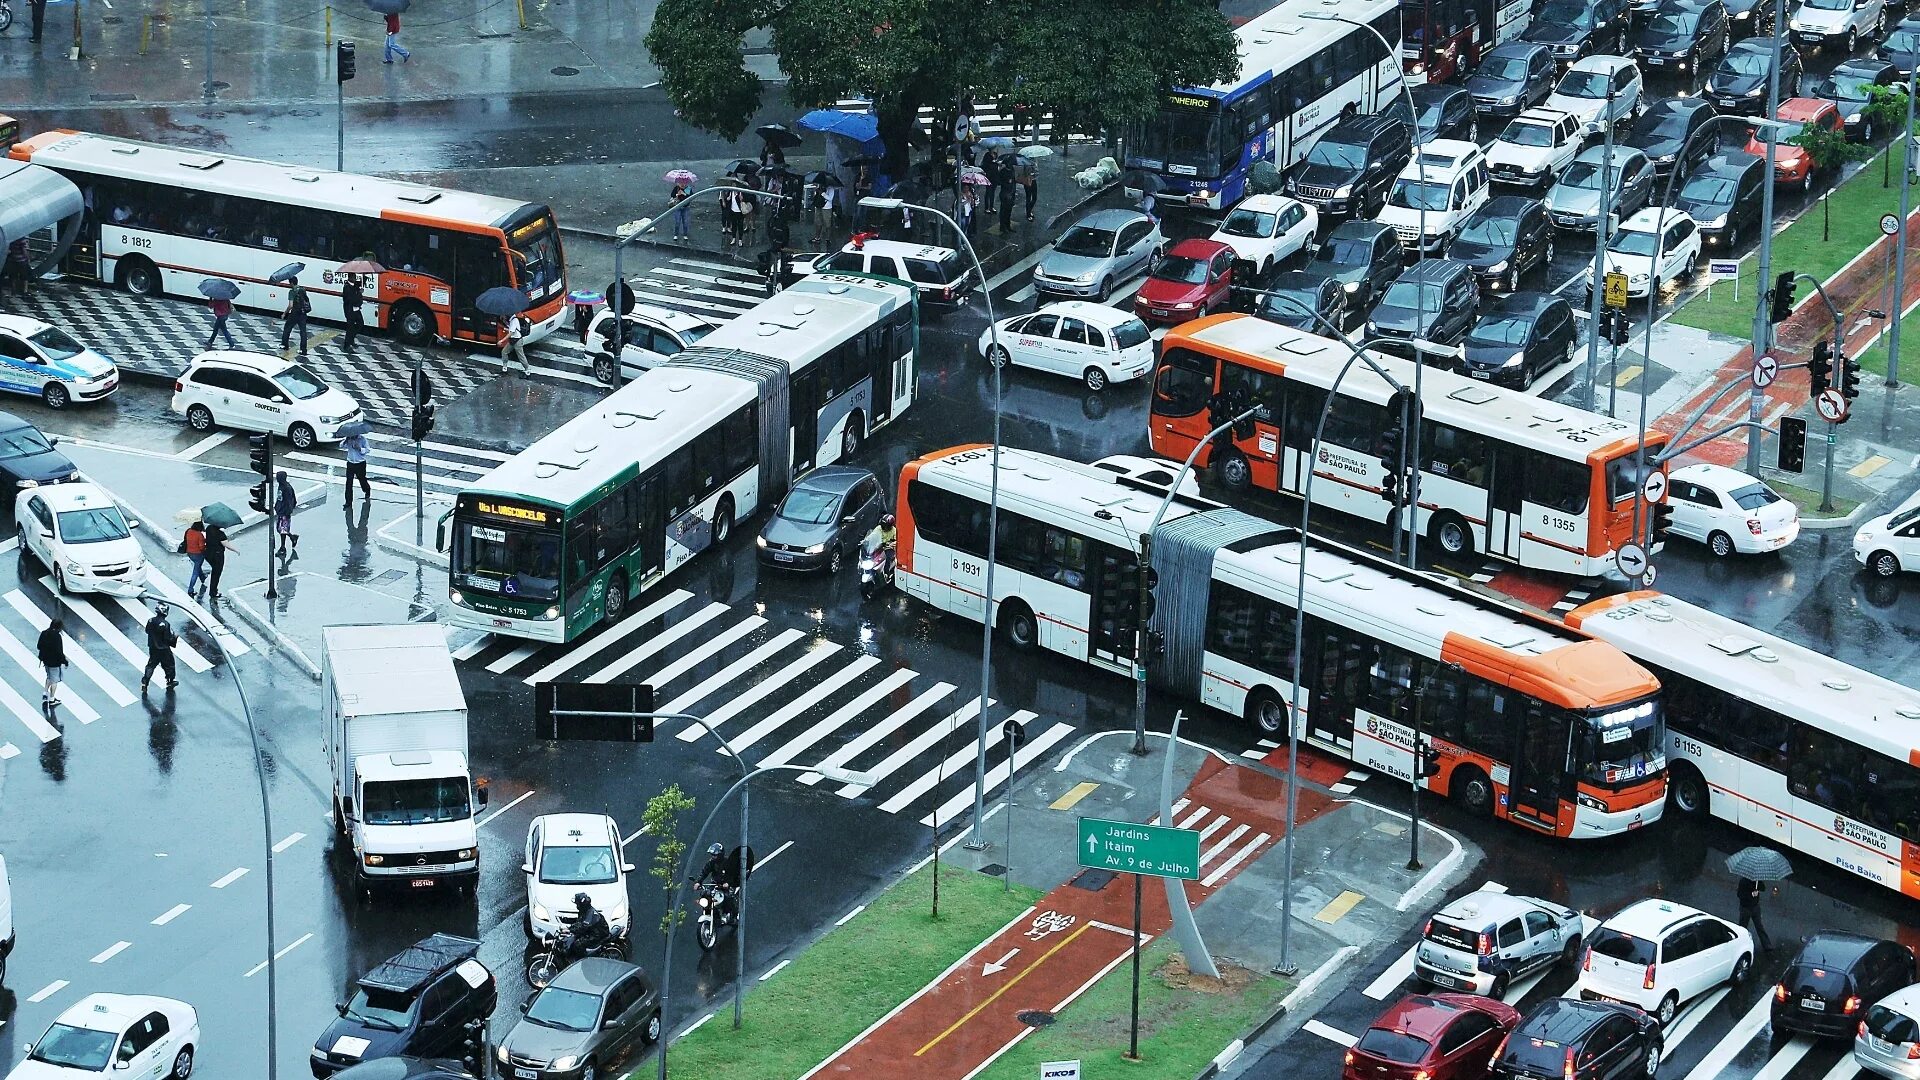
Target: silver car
{"type": "Point", "coordinates": [587, 1019]}
{"type": "Point", "coordinates": [821, 522]}
{"type": "Point", "coordinates": [1574, 202]}
{"type": "Point", "coordinates": [1888, 1041]}
{"type": "Point", "coordinates": [1100, 251]}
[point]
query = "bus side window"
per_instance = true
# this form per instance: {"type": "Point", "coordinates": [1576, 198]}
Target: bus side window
{"type": "Point", "coordinates": [1451, 452]}
{"type": "Point", "coordinates": [1441, 714]}
{"type": "Point", "coordinates": [679, 481]}
{"type": "Point", "coordinates": [1243, 384]}
{"type": "Point", "coordinates": [1557, 484]}
{"type": "Point", "coordinates": [616, 519]}
{"type": "Point", "coordinates": [741, 440]}
{"type": "Point", "coordinates": [1486, 727]}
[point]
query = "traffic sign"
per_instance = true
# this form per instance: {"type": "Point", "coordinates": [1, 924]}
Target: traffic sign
{"type": "Point", "coordinates": [1614, 289]}
{"type": "Point", "coordinates": [1723, 269]}
{"type": "Point", "coordinates": [1632, 560]}
{"type": "Point", "coordinates": [1015, 733]}
{"type": "Point", "coordinates": [1127, 848]}
{"type": "Point", "coordinates": [1765, 370]}
{"type": "Point", "coordinates": [1647, 575]}
{"type": "Point", "coordinates": [1831, 406]}
{"type": "Point", "coordinates": [1654, 488]}
{"type": "Point", "coordinates": [1889, 223]}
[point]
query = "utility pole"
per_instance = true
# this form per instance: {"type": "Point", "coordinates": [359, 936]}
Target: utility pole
{"type": "Point", "coordinates": [1762, 329]}
{"type": "Point", "coordinates": [1900, 238]}
{"type": "Point", "coordinates": [343, 69]}
{"type": "Point", "coordinates": [1600, 253]}
{"type": "Point", "coordinates": [423, 410]}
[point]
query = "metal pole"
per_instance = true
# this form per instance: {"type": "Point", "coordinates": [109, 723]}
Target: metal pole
{"type": "Point", "coordinates": [1900, 240]}
{"type": "Point", "coordinates": [1419, 762]}
{"type": "Point", "coordinates": [419, 470]}
{"type": "Point", "coordinates": [1600, 256]}
{"type": "Point", "coordinates": [1826, 481]}
{"type": "Point", "coordinates": [1199, 960]}
{"type": "Point", "coordinates": [740, 930]}
{"type": "Point", "coordinates": [273, 492]}
{"type": "Point", "coordinates": [339, 119]}
{"type": "Point", "coordinates": [1133, 1038]}
{"type": "Point", "coordinates": [1762, 329]}
{"type": "Point", "coordinates": [207, 87]}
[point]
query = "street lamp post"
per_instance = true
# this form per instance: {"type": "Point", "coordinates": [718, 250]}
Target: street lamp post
{"type": "Point", "coordinates": [1600, 251]}
{"type": "Point", "coordinates": [1763, 329]}
{"type": "Point", "coordinates": [1420, 752]}
{"type": "Point", "coordinates": [1900, 237]}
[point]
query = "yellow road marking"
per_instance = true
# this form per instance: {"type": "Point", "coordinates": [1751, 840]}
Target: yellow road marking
{"type": "Point", "coordinates": [1010, 983]}
{"type": "Point", "coordinates": [1338, 907]}
{"type": "Point", "coordinates": [1870, 466]}
{"type": "Point", "coordinates": [1630, 373]}
{"type": "Point", "coordinates": [1067, 801]}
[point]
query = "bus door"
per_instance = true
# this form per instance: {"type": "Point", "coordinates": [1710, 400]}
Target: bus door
{"type": "Point", "coordinates": [1302, 404]}
{"type": "Point", "coordinates": [1340, 680]}
{"type": "Point", "coordinates": [650, 515]}
{"type": "Point", "coordinates": [479, 264]}
{"type": "Point", "coordinates": [803, 403]}
{"type": "Point", "coordinates": [1116, 605]}
{"type": "Point", "coordinates": [1539, 769]}
{"type": "Point", "coordinates": [1503, 501]}
{"type": "Point", "coordinates": [872, 344]}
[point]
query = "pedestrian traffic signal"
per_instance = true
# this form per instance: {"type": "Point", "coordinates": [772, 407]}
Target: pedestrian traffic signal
{"type": "Point", "coordinates": [420, 386]}
{"type": "Point", "coordinates": [1148, 603]}
{"type": "Point", "coordinates": [1849, 377]}
{"type": "Point", "coordinates": [1429, 763]}
{"type": "Point", "coordinates": [1782, 296]}
{"type": "Point", "coordinates": [423, 421]}
{"type": "Point", "coordinates": [260, 454]}
{"type": "Point", "coordinates": [1614, 326]}
{"type": "Point", "coordinates": [1660, 525]}
{"type": "Point", "coordinates": [1391, 444]}
{"type": "Point", "coordinates": [258, 498]}
{"type": "Point", "coordinates": [1820, 367]}
{"type": "Point", "coordinates": [1793, 444]}
{"type": "Point", "coordinates": [343, 61]}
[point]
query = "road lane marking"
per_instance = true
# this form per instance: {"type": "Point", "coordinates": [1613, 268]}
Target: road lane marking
{"type": "Point", "coordinates": [619, 630]}
{"type": "Point", "coordinates": [758, 863]}
{"type": "Point", "coordinates": [775, 970]}
{"type": "Point", "coordinates": [813, 696]}
{"type": "Point", "coordinates": [695, 1026]}
{"type": "Point", "coordinates": [1733, 1041]}
{"type": "Point", "coordinates": [1214, 826]}
{"type": "Point", "coordinates": [1220, 872]}
{"type": "Point", "coordinates": [1026, 755]}
{"type": "Point", "coordinates": [8, 750]}
{"type": "Point", "coordinates": [848, 917]}
{"type": "Point", "coordinates": [1074, 795]}
{"type": "Point", "coordinates": [524, 796]}
{"type": "Point", "coordinates": [262, 965]}
{"type": "Point", "coordinates": [659, 641]}
{"type": "Point", "coordinates": [1343, 789]}
{"type": "Point", "coordinates": [230, 877]}
{"type": "Point", "coordinates": [110, 952]}
{"type": "Point", "coordinates": [1329, 1032]}
{"type": "Point", "coordinates": [171, 914]}
{"type": "Point", "coordinates": [884, 728]}
{"type": "Point", "coordinates": [1685, 1024]}
{"type": "Point", "coordinates": [289, 842]}
{"type": "Point", "coordinates": [727, 675]}
{"type": "Point", "coordinates": [193, 452]}
{"type": "Point", "coordinates": [1870, 466]}
{"type": "Point", "coordinates": [141, 613]}
{"type": "Point", "coordinates": [777, 681]}
{"type": "Point", "coordinates": [47, 991]}
{"type": "Point", "coordinates": [1628, 374]}
{"type": "Point", "coordinates": [1213, 852]}
{"type": "Point", "coordinates": [1784, 1059]}
{"type": "Point", "coordinates": [472, 648]}
{"type": "Point", "coordinates": [1195, 816]}
{"type": "Point", "coordinates": [520, 652]}
{"type": "Point", "coordinates": [1393, 977]}
{"type": "Point", "coordinates": [705, 650]}
{"type": "Point", "coordinates": [920, 743]}
{"type": "Point", "coordinates": [79, 657]}
{"type": "Point", "coordinates": [1008, 985]}
{"type": "Point", "coordinates": [1338, 907]}
{"type": "Point", "coordinates": [925, 782]}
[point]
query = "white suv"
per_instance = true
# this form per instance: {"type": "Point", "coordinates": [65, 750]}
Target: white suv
{"type": "Point", "coordinates": [1631, 250]}
{"type": "Point", "coordinates": [569, 854]}
{"type": "Point", "coordinates": [1266, 232]}
{"type": "Point", "coordinates": [1441, 188]}
{"type": "Point", "coordinates": [1536, 147]}
{"type": "Point", "coordinates": [76, 531]}
{"type": "Point", "coordinates": [1656, 954]}
{"type": "Point", "coordinates": [1824, 22]}
{"type": "Point", "coordinates": [1890, 543]}
{"type": "Point", "coordinates": [259, 392]}
{"type": "Point", "coordinates": [1600, 90]}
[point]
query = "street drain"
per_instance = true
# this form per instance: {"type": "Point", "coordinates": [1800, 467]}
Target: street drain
{"type": "Point", "coordinates": [565, 70]}
{"type": "Point", "coordinates": [388, 577]}
{"type": "Point", "coordinates": [1091, 880]}
{"type": "Point", "coordinates": [1036, 1018]}
{"type": "Point", "coordinates": [993, 869]}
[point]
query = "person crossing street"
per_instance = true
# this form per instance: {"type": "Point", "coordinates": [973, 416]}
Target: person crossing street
{"type": "Point", "coordinates": [284, 502]}
{"type": "Point", "coordinates": [160, 642]}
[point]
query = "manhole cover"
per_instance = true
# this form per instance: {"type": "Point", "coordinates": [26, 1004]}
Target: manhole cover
{"type": "Point", "coordinates": [1091, 880]}
{"type": "Point", "coordinates": [111, 97]}
{"type": "Point", "coordinates": [565, 70]}
{"type": "Point", "coordinates": [388, 577]}
{"type": "Point", "coordinates": [993, 869]}
{"type": "Point", "coordinates": [1038, 1018]}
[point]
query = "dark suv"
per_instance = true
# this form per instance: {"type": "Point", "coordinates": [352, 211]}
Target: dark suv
{"type": "Point", "coordinates": [1435, 300]}
{"type": "Point", "coordinates": [1348, 172]}
{"type": "Point", "coordinates": [1507, 238]}
{"type": "Point", "coordinates": [428, 1000]}
{"type": "Point", "coordinates": [1682, 35]}
{"type": "Point", "coordinates": [1724, 196]}
{"type": "Point", "coordinates": [1363, 257]}
{"type": "Point", "coordinates": [1835, 977]}
{"type": "Point", "coordinates": [1564, 1039]}
{"type": "Point", "coordinates": [1572, 29]}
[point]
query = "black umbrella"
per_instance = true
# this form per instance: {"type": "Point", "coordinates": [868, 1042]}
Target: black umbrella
{"type": "Point", "coordinates": [779, 135]}
{"type": "Point", "coordinates": [743, 167]}
{"type": "Point", "coordinates": [390, 7]}
{"type": "Point", "coordinates": [214, 288]}
{"type": "Point", "coordinates": [288, 272]}
{"type": "Point", "coordinates": [1139, 180]}
{"type": "Point", "coordinates": [864, 159]}
{"type": "Point", "coordinates": [823, 178]}
{"type": "Point", "coordinates": [778, 168]}
{"type": "Point", "coordinates": [354, 427]}
{"type": "Point", "coordinates": [502, 300]}
{"type": "Point", "coordinates": [219, 514]}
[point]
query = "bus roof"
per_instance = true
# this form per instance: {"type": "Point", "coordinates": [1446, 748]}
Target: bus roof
{"type": "Point", "coordinates": [800, 323]}
{"type": "Point", "coordinates": [230, 174]}
{"type": "Point", "coordinates": [1789, 679]}
{"type": "Point", "coordinates": [1279, 36]}
{"type": "Point", "coordinates": [1532, 422]}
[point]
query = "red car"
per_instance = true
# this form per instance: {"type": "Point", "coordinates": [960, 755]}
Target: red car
{"type": "Point", "coordinates": [1194, 278]}
{"type": "Point", "coordinates": [1792, 164]}
{"type": "Point", "coordinates": [1432, 1037]}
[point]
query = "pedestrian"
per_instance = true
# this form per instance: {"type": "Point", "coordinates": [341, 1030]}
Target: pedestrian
{"type": "Point", "coordinates": [814, 203]}
{"type": "Point", "coordinates": [39, 16]}
{"type": "Point", "coordinates": [355, 447]}
{"type": "Point", "coordinates": [1022, 112]}
{"type": "Point", "coordinates": [729, 216]}
{"type": "Point", "coordinates": [19, 268]}
{"type": "Point", "coordinates": [965, 208]}
{"type": "Point", "coordinates": [771, 154]}
{"type": "Point", "coordinates": [991, 166]}
{"type": "Point", "coordinates": [682, 213]}
{"type": "Point", "coordinates": [53, 656]}
{"type": "Point", "coordinates": [1029, 178]}
{"type": "Point", "coordinates": [284, 502]}
{"type": "Point", "coordinates": [1002, 177]}
{"type": "Point", "coordinates": [517, 330]}
{"type": "Point", "coordinates": [749, 209]}
{"type": "Point", "coordinates": [351, 297]}
{"type": "Point", "coordinates": [160, 642]}
{"type": "Point", "coordinates": [216, 553]}
{"type": "Point", "coordinates": [295, 316]}
{"type": "Point", "coordinates": [194, 546]}
{"type": "Point", "coordinates": [1750, 892]}
{"type": "Point", "coordinates": [393, 40]}
{"type": "Point", "coordinates": [222, 309]}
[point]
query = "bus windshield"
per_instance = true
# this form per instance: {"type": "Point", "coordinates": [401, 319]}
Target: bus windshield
{"type": "Point", "coordinates": [1184, 384]}
{"type": "Point", "coordinates": [522, 563]}
{"type": "Point", "coordinates": [1620, 747]}
{"type": "Point", "coordinates": [1182, 137]}
{"type": "Point", "coordinates": [536, 249]}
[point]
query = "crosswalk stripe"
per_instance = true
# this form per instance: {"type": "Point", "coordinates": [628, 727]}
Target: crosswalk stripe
{"type": "Point", "coordinates": [728, 674]}
{"type": "Point", "coordinates": [34, 719]}
{"type": "Point", "coordinates": [754, 290]}
{"type": "Point", "coordinates": [659, 641]}
{"type": "Point", "coordinates": [101, 625]}
{"type": "Point", "coordinates": [1213, 852]}
{"type": "Point", "coordinates": [431, 461]}
{"type": "Point", "coordinates": [383, 470]}
{"type": "Point", "coordinates": [735, 301]}
{"type": "Point", "coordinates": [181, 651]}
{"type": "Point", "coordinates": [1736, 1039]}
{"type": "Point", "coordinates": [713, 645]}
{"type": "Point", "coordinates": [1029, 752]}
{"type": "Point", "coordinates": [512, 657]}
{"type": "Point", "coordinates": [1685, 1024]}
{"type": "Point", "coordinates": [1193, 817]}
{"type": "Point", "coordinates": [76, 655]}
{"type": "Point", "coordinates": [176, 595]}
{"type": "Point", "coordinates": [662, 300]}
{"type": "Point", "coordinates": [915, 747]}
{"type": "Point", "coordinates": [769, 685]}
{"type": "Point", "coordinates": [1225, 868]}
{"type": "Point", "coordinates": [881, 730]}
{"type": "Point", "coordinates": [472, 648]}
{"type": "Point", "coordinates": [1785, 1058]}
{"type": "Point", "coordinates": [1846, 1068]}
{"type": "Point", "coordinates": [1215, 826]}
{"type": "Point", "coordinates": [585, 649]}
{"type": "Point", "coordinates": [806, 739]}
{"type": "Point", "coordinates": [813, 696]}
{"type": "Point", "coordinates": [925, 782]}
{"type": "Point", "coordinates": [443, 448]}
{"type": "Point", "coordinates": [1329, 1032]}
{"type": "Point", "coordinates": [1393, 977]}
{"type": "Point", "coordinates": [724, 268]}
{"type": "Point", "coordinates": [30, 664]}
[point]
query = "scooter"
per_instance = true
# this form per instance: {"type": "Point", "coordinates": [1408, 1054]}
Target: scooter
{"type": "Point", "coordinates": [715, 912]}
{"type": "Point", "coordinates": [876, 571]}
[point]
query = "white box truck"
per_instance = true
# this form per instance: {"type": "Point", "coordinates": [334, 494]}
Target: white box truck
{"type": "Point", "coordinates": [404, 800]}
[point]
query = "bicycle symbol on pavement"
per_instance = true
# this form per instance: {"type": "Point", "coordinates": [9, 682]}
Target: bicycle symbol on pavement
{"type": "Point", "coordinates": [1049, 922]}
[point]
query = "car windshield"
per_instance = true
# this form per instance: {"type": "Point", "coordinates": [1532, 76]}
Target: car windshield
{"type": "Point", "coordinates": [1830, 5]}
{"type": "Point", "coordinates": [535, 242]}
{"type": "Point", "coordinates": [1633, 242]}
{"type": "Point", "coordinates": [1608, 942]}
{"type": "Point", "coordinates": [22, 442]}
{"type": "Point", "coordinates": [1562, 13]}
{"type": "Point", "coordinates": [1397, 1046]}
{"type": "Point", "coordinates": [568, 1010]}
{"type": "Point", "coordinates": [1345, 252]}
{"type": "Point", "coordinates": [1430, 115]}
{"type": "Point", "coordinates": [1248, 223]}
{"type": "Point", "coordinates": [1293, 305]}
{"type": "Point", "coordinates": [1621, 747]}
{"type": "Point", "coordinates": [1498, 332]}
{"type": "Point", "coordinates": [691, 334]}
{"type": "Point", "coordinates": [1849, 87]}
{"type": "Point", "coordinates": [1708, 190]}
{"type": "Point", "coordinates": [1903, 517]}
{"type": "Point", "coordinates": [75, 1047]}
{"type": "Point", "coordinates": [1424, 296]}
{"type": "Point", "coordinates": [91, 526]}
{"type": "Point", "coordinates": [1582, 176]}
{"type": "Point", "coordinates": [1182, 269]}
{"type": "Point", "coordinates": [56, 344]}
{"type": "Point", "coordinates": [1085, 241]}
{"type": "Point", "coordinates": [423, 801]}
{"type": "Point", "coordinates": [379, 1008]}
{"type": "Point", "coordinates": [809, 506]}
{"type": "Point", "coordinates": [300, 382]}
{"type": "Point", "coordinates": [1338, 154]}
{"type": "Point", "coordinates": [1493, 230]}
{"type": "Point", "coordinates": [1527, 133]}
{"type": "Point", "coordinates": [1505, 68]}
{"type": "Point", "coordinates": [1130, 333]}
{"type": "Point", "coordinates": [1673, 22]}
{"type": "Point", "coordinates": [1415, 195]}
{"type": "Point", "coordinates": [1745, 62]}
{"type": "Point", "coordinates": [523, 564]}
{"type": "Point", "coordinates": [1782, 135]}
{"type": "Point", "coordinates": [578, 866]}
{"type": "Point", "coordinates": [1754, 496]}
{"type": "Point", "coordinates": [1585, 84]}
{"type": "Point", "coordinates": [1903, 40]}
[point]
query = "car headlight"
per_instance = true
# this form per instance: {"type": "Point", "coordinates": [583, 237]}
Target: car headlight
{"type": "Point", "coordinates": [1372, 327]}
{"type": "Point", "coordinates": [1743, 14]}
{"type": "Point", "coordinates": [551, 613]}
{"type": "Point", "coordinates": [376, 860]}
{"type": "Point", "coordinates": [463, 854]}
{"type": "Point", "coordinates": [317, 1054]}
{"type": "Point", "coordinates": [26, 483]}
{"type": "Point", "coordinates": [1637, 279]}
{"type": "Point", "coordinates": [1508, 100]}
{"type": "Point", "coordinates": [1514, 360]}
{"type": "Point", "coordinates": [1716, 223]}
{"type": "Point", "coordinates": [1498, 268]}
{"type": "Point", "coordinates": [1756, 91]}
{"type": "Point", "coordinates": [1343, 191]}
{"type": "Point", "coordinates": [75, 568]}
{"type": "Point", "coordinates": [1084, 279]}
{"type": "Point", "coordinates": [760, 541]}
{"type": "Point", "coordinates": [541, 914]}
{"type": "Point", "coordinates": [73, 476]}
{"type": "Point", "coordinates": [1853, 118]}
{"type": "Point", "coordinates": [564, 1063]}
{"type": "Point", "coordinates": [331, 419]}
{"type": "Point", "coordinates": [1184, 305]}
{"type": "Point", "coordinates": [1351, 286]}
{"type": "Point", "coordinates": [1419, 68]}
{"type": "Point", "coordinates": [817, 549]}
{"type": "Point", "coordinates": [500, 1053]}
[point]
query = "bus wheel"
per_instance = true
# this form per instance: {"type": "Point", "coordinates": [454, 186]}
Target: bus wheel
{"type": "Point", "coordinates": [1687, 789]}
{"type": "Point", "coordinates": [1232, 470]}
{"type": "Point", "coordinates": [1451, 534]}
{"type": "Point", "coordinates": [139, 276]}
{"type": "Point", "coordinates": [850, 440]}
{"type": "Point", "coordinates": [615, 604]}
{"type": "Point", "coordinates": [1018, 623]}
{"type": "Point", "coordinates": [1267, 713]}
{"type": "Point", "coordinates": [412, 322]}
{"type": "Point", "coordinates": [1472, 790]}
{"type": "Point", "coordinates": [723, 521]}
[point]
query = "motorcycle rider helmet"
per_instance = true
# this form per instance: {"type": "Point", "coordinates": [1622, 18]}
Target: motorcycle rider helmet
{"type": "Point", "coordinates": [887, 520]}
{"type": "Point", "coordinates": [582, 901]}
{"type": "Point", "coordinates": [715, 851]}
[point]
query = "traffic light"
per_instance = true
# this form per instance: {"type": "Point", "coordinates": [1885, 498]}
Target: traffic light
{"type": "Point", "coordinates": [1820, 367]}
{"type": "Point", "coordinates": [1793, 444]}
{"type": "Point", "coordinates": [1148, 605]}
{"type": "Point", "coordinates": [1391, 442]}
{"type": "Point", "coordinates": [343, 61]}
{"type": "Point", "coordinates": [260, 454]}
{"type": "Point", "coordinates": [1782, 297]}
{"type": "Point", "coordinates": [423, 421]}
{"type": "Point", "coordinates": [258, 497]}
{"type": "Point", "coordinates": [1614, 326]}
{"type": "Point", "coordinates": [1429, 763]}
{"type": "Point", "coordinates": [420, 386]}
{"type": "Point", "coordinates": [1662, 522]}
{"type": "Point", "coordinates": [1849, 377]}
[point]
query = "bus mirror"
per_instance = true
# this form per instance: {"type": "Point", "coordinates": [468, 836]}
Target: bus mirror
{"type": "Point", "coordinates": [440, 532]}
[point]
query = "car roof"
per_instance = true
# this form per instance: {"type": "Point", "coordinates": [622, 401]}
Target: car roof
{"type": "Point", "coordinates": [1524, 302]}
{"type": "Point", "coordinates": [1863, 65]}
{"type": "Point", "coordinates": [1434, 271]}
{"type": "Point", "coordinates": [1563, 1020]}
{"type": "Point", "coordinates": [574, 830]}
{"type": "Point", "coordinates": [593, 975]}
{"type": "Point", "coordinates": [22, 325]}
{"type": "Point", "coordinates": [114, 1012]}
{"type": "Point", "coordinates": [1198, 248]}
{"type": "Point", "coordinates": [1419, 1015]}
{"type": "Point", "coordinates": [1437, 91]}
{"type": "Point", "coordinates": [902, 249]}
{"type": "Point", "coordinates": [1650, 218]}
{"type": "Point", "coordinates": [1505, 206]}
{"type": "Point", "coordinates": [1482, 909]}
{"type": "Point", "coordinates": [1650, 918]}
{"type": "Point", "coordinates": [1716, 476]}
{"type": "Point", "coordinates": [1622, 153]}
{"type": "Point", "coordinates": [1360, 228]}
{"type": "Point", "coordinates": [1678, 105]}
{"type": "Point", "coordinates": [79, 495]}
{"type": "Point", "coordinates": [1833, 948]}
{"type": "Point", "coordinates": [417, 965]}
{"type": "Point", "coordinates": [1543, 116]}
{"type": "Point", "coordinates": [1111, 220]}
{"type": "Point", "coordinates": [671, 318]}
{"type": "Point", "coordinates": [1105, 316]}
{"type": "Point", "coordinates": [1762, 45]}
{"type": "Point", "coordinates": [1449, 157]}
{"type": "Point", "coordinates": [1803, 108]}
{"type": "Point", "coordinates": [1608, 64]}
{"type": "Point", "coordinates": [1266, 203]}
{"type": "Point", "coordinates": [1513, 48]}
{"type": "Point", "coordinates": [1730, 164]}
{"type": "Point", "coordinates": [836, 478]}
{"type": "Point", "coordinates": [262, 363]}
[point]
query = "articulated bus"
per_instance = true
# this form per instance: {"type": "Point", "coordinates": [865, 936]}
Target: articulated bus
{"type": "Point", "coordinates": [1808, 752]}
{"type": "Point", "coordinates": [1443, 39]}
{"type": "Point", "coordinates": [1533, 722]}
{"type": "Point", "coordinates": [1519, 478]}
{"type": "Point", "coordinates": [559, 538]}
{"type": "Point", "coordinates": [159, 219]}
{"type": "Point", "coordinates": [1299, 72]}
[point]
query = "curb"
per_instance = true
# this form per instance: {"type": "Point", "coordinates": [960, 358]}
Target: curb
{"type": "Point", "coordinates": [280, 641]}
{"type": "Point", "coordinates": [1301, 989]}
{"type": "Point", "coordinates": [1054, 221]}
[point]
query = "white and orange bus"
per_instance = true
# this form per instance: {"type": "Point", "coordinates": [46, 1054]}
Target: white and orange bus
{"type": "Point", "coordinates": [1527, 481]}
{"type": "Point", "coordinates": [1807, 751]}
{"type": "Point", "coordinates": [159, 219]}
{"type": "Point", "coordinates": [1533, 722]}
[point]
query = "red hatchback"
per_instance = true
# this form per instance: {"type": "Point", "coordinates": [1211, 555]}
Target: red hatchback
{"type": "Point", "coordinates": [1194, 278]}
{"type": "Point", "coordinates": [1432, 1037]}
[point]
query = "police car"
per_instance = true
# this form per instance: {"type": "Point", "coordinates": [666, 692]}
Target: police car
{"type": "Point", "coordinates": [43, 360]}
{"type": "Point", "coordinates": [129, 1035]}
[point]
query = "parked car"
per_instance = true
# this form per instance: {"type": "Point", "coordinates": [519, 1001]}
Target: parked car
{"type": "Point", "coordinates": [1572, 29]}
{"type": "Point", "coordinates": [1723, 196]}
{"type": "Point", "coordinates": [1194, 278]}
{"type": "Point", "coordinates": [1837, 22]}
{"type": "Point", "coordinates": [1665, 133]}
{"type": "Point", "coordinates": [940, 276]}
{"type": "Point", "coordinates": [1291, 294]}
{"type": "Point", "coordinates": [1443, 111]}
{"type": "Point", "coordinates": [1517, 338]}
{"type": "Point", "coordinates": [1535, 148]}
{"type": "Point", "coordinates": [1437, 191]}
{"type": "Point", "coordinates": [1363, 257]}
{"type": "Point", "coordinates": [1435, 300]}
{"type": "Point", "coordinates": [586, 1020]}
{"type": "Point", "coordinates": [45, 361]}
{"type": "Point", "coordinates": [1574, 203]}
{"type": "Point", "coordinates": [1348, 172]}
{"type": "Point", "coordinates": [260, 392]}
{"type": "Point", "coordinates": [28, 459]}
{"type": "Point", "coordinates": [1739, 83]}
{"type": "Point", "coordinates": [113, 1035]}
{"type": "Point", "coordinates": [1431, 1037]}
{"type": "Point", "coordinates": [569, 854]}
{"type": "Point", "coordinates": [1850, 87]}
{"type": "Point", "coordinates": [651, 337]}
{"type": "Point", "coordinates": [1485, 940]}
{"type": "Point", "coordinates": [1683, 36]}
{"type": "Point", "coordinates": [417, 1002]}
{"type": "Point", "coordinates": [1267, 232]}
{"type": "Point", "coordinates": [1888, 1040]}
{"type": "Point", "coordinates": [1080, 339]}
{"type": "Point", "coordinates": [76, 531]}
{"type": "Point", "coordinates": [1751, 17]}
{"type": "Point", "coordinates": [1902, 46]}
{"type": "Point", "coordinates": [1098, 252]}
{"type": "Point", "coordinates": [1631, 251]}
{"type": "Point", "coordinates": [1580, 1040]}
{"type": "Point", "coordinates": [1658, 954]}
{"type": "Point", "coordinates": [1506, 239]}
{"type": "Point", "coordinates": [1834, 978]}
{"type": "Point", "coordinates": [1512, 78]}
{"type": "Point", "coordinates": [822, 519]}
{"type": "Point", "coordinates": [1600, 91]}
{"type": "Point", "coordinates": [1793, 165]}
{"type": "Point", "coordinates": [1729, 511]}
{"type": "Point", "coordinates": [1890, 543]}
{"type": "Point", "coordinates": [1153, 471]}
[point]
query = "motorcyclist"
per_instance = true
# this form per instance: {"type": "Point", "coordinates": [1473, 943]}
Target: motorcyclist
{"type": "Point", "coordinates": [882, 537]}
{"type": "Point", "coordinates": [719, 872]}
{"type": "Point", "coordinates": [589, 931]}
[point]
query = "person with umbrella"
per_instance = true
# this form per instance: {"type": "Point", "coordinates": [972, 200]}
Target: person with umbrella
{"type": "Point", "coordinates": [1756, 866]}
{"type": "Point", "coordinates": [194, 546]}
{"type": "Point", "coordinates": [298, 307]}
{"type": "Point", "coordinates": [220, 293]}
{"type": "Point", "coordinates": [355, 447]}
{"type": "Point", "coordinates": [217, 518]}
{"type": "Point", "coordinates": [677, 197]}
{"type": "Point", "coordinates": [394, 48]}
{"type": "Point", "coordinates": [515, 345]}
{"type": "Point", "coordinates": [1027, 174]}
{"type": "Point", "coordinates": [351, 297]}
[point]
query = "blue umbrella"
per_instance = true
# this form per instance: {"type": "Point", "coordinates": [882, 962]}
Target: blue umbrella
{"type": "Point", "coordinates": [214, 288]}
{"type": "Point", "coordinates": [287, 272]}
{"type": "Point", "coordinates": [390, 7]}
{"type": "Point", "coordinates": [502, 300]}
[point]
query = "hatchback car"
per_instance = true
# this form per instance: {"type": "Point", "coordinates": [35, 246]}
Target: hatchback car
{"type": "Point", "coordinates": [1363, 257]}
{"type": "Point", "coordinates": [1435, 301]}
{"type": "Point", "coordinates": [1443, 111]}
{"type": "Point", "coordinates": [586, 1020]}
{"type": "Point", "coordinates": [45, 361]}
{"type": "Point", "coordinates": [1819, 23]}
{"type": "Point", "coordinates": [1631, 252]}
{"type": "Point", "coordinates": [1729, 511]}
{"type": "Point", "coordinates": [1793, 165]}
{"type": "Point", "coordinates": [1683, 35]}
{"type": "Point", "coordinates": [1194, 278]}
{"type": "Point", "coordinates": [1485, 940]}
{"type": "Point", "coordinates": [1503, 241]}
{"type": "Point", "coordinates": [569, 854]}
{"type": "Point", "coordinates": [1566, 1039]}
{"type": "Point", "coordinates": [1902, 47]}
{"type": "Point", "coordinates": [1431, 1037]}
{"type": "Point", "coordinates": [1665, 133]}
{"type": "Point", "coordinates": [1080, 339]}
{"type": "Point", "coordinates": [1890, 543]}
{"type": "Point", "coordinates": [1739, 83]}
{"type": "Point", "coordinates": [1512, 78]}
{"type": "Point", "coordinates": [1851, 86]}
{"type": "Point", "coordinates": [1624, 183]}
{"type": "Point", "coordinates": [127, 1035]}
{"type": "Point", "coordinates": [1100, 251]}
{"type": "Point", "coordinates": [940, 275]}
{"type": "Point", "coordinates": [652, 336]}
{"type": "Point", "coordinates": [822, 520]}
{"type": "Point", "coordinates": [1723, 196]}
{"type": "Point", "coordinates": [28, 459]}
{"type": "Point", "coordinates": [1571, 29]}
{"type": "Point", "coordinates": [1657, 954]}
{"type": "Point", "coordinates": [1294, 297]}
{"type": "Point", "coordinates": [1600, 91]}
{"type": "Point", "coordinates": [258, 392]}
{"type": "Point", "coordinates": [1267, 232]}
{"type": "Point", "coordinates": [76, 531]}
{"type": "Point", "coordinates": [417, 1003]}
{"type": "Point", "coordinates": [1834, 979]}
{"type": "Point", "coordinates": [1519, 337]}
{"type": "Point", "coordinates": [1887, 1041]}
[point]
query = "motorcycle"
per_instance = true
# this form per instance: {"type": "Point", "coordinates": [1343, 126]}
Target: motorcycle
{"type": "Point", "coordinates": [876, 570]}
{"type": "Point", "coordinates": [558, 950]}
{"type": "Point", "coordinates": [6, 15]}
{"type": "Point", "coordinates": [716, 910]}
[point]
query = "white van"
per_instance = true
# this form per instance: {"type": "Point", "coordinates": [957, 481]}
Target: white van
{"type": "Point", "coordinates": [6, 919]}
{"type": "Point", "coordinates": [1440, 188]}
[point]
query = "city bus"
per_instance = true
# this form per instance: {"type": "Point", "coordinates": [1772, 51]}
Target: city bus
{"type": "Point", "coordinates": [1517, 478]}
{"type": "Point", "coordinates": [561, 536]}
{"type": "Point", "coordinates": [1299, 73]}
{"type": "Point", "coordinates": [159, 220]}
{"type": "Point", "coordinates": [1808, 752]}
{"type": "Point", "coordinates": [1533, 722]}
{"type": "Point", "coordinates": [1444, 39]}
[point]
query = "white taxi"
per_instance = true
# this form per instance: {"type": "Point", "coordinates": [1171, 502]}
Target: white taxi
{"type": "Point", "coordinates": [260, 392]}
{"type": "Point", "coordinates": [130, 1035]}
{"type": "Point", "coordinates": [76, 531]}
{"type": "Point", "coordinates": [569, 854]}
{"type": "Point", "coordinates": [1267, 232]}
{"type": "Point", "coordinates": [45, 361]}
{"type": "Point", "coordinates": [1890, 543]}
{"type": "Point", "coordinates": [1729, 511]}
{"type": "Point", "coordinates": [1092, 342]}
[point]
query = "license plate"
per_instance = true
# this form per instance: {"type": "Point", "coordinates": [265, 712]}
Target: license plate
{"type": "Point", "coordinates": [1816, 1006]}
{"type": "Point", "coordinates": [526, 1074]}
{"type": "Point", "coordinates": [1450, 982]}
{"type": "Point", "coordinates": [423, 883]}
{"type": "Point", "coordinates": [1478, 374]}
{"type": "Point", "coordinates": [1656, 61]}
{"type": "Point", "coordinates": [1159, 311]}
{"type": "Point", "coordinates": [503, 622]}
{"type": "Point", "coordinates": [783, 556]}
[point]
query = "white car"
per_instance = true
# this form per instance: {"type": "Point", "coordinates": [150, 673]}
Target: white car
{"type": "Point", "coordinates": [1656, 955]}
{"type": "Point", "coordinates": [1091, 342]}
{"type": "Point", "coordinates": [76, 530]}
{"type": "Point", "coordinates": [45, 361]}
{"type": "Point", "coordinates": [117, 1035]}
{"type": "Point", "coordinates": [1890, 543]}
{"type": "Point", "coordinates": [1729, 511]}
{"type": "Point", "coordinates": [569, 854]}
{"type": "Point", "coordinates": [1584, 90]}
{"type": "Point", "coordinates": [653, 335]}
{"type": "Point", "coordinates": [1845, 22]}
{"type": "Point", "coordinates": [1268, 231]}
{"type": "Point", "coordinates": [1149, 471]}
{"type": "Point", "coordinates": [259, 392]}
{"type": "Point", "coordinates": [1631, 250]}
{"type": "Point", "coordinates": [1440, 188]}
{"type": "Point", "coordinates": [1888, 1040]}
{"type": "Point", "coordinates": [1535, 148]}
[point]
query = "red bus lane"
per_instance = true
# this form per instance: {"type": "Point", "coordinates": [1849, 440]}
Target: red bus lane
{"type": "Point", "coordinates": [1061, 946]}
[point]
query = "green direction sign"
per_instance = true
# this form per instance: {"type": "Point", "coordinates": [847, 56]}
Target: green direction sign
{"type": "Point", "coordinates": [1127, 848]}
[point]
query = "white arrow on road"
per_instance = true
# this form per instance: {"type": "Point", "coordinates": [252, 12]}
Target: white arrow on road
{"type": "Point", "coordinates": [998, 965]}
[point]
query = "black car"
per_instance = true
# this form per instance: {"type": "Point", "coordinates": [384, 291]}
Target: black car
{"type": "Point", "coordinates": [28, 459]}
{"type": "Point", "coordinates": [1511, 79]}
{"type": "Point", "coordinates": [1902, 46]}
{"type": "Point", "coordinates": [1564, 1039]}
{"type": "Point", "coordinates": [1572, 29]}
{"type": "Point", "coordinates": [418, 1003]}
{"type": "Point", "coordinates": [1517, 338]}
{"type": "Point", "coordinates": [822, 519]}
{"type": "Point", "coordinates": [1443, 111]}
{"type": "Point", "coordinates": [1436, 300]}
{"type": "Point", "coordinates": [407, 1068]}
{"type": "Point", "coordinates": [1667, 128]}
{"type": "Point", "coordinates": [1739, 83]}
{"type": "Point", "coordinates": [1508, 237]}
{"type": "Point", "coordinates": [1348, 172]}
{"type": "Point", "coordinates": [1363, 257]}
{"type": "Point", "coordinates": [1723, 196]}
{"type": "Point", "coordinates": [1834, 978]}
{"type": "Point", "coordinates": [1294, 293]}
{"type": "Point", "coordinates": [1850, 87]}
{"type": "Point", "coordinates": [1683, 36]}
{"type": "Point", "coordinates": [1752, 17]}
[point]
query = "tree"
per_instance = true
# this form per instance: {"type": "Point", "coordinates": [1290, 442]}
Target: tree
{"type": "Point", "coordinates": [1829, 148]}
{"type": "Point", "coordinates": [1886, 110]}
{"type": "Point", "coordinates": [662, 822]}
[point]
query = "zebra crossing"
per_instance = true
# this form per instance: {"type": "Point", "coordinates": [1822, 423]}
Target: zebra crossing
{"type": "Point", "coordinates": [699, 284]}
{"type": "Point", "coordinates": [780, 695]}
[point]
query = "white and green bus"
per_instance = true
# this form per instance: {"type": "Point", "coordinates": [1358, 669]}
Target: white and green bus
{"type": "Point", "coordinates": [559, 538]}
